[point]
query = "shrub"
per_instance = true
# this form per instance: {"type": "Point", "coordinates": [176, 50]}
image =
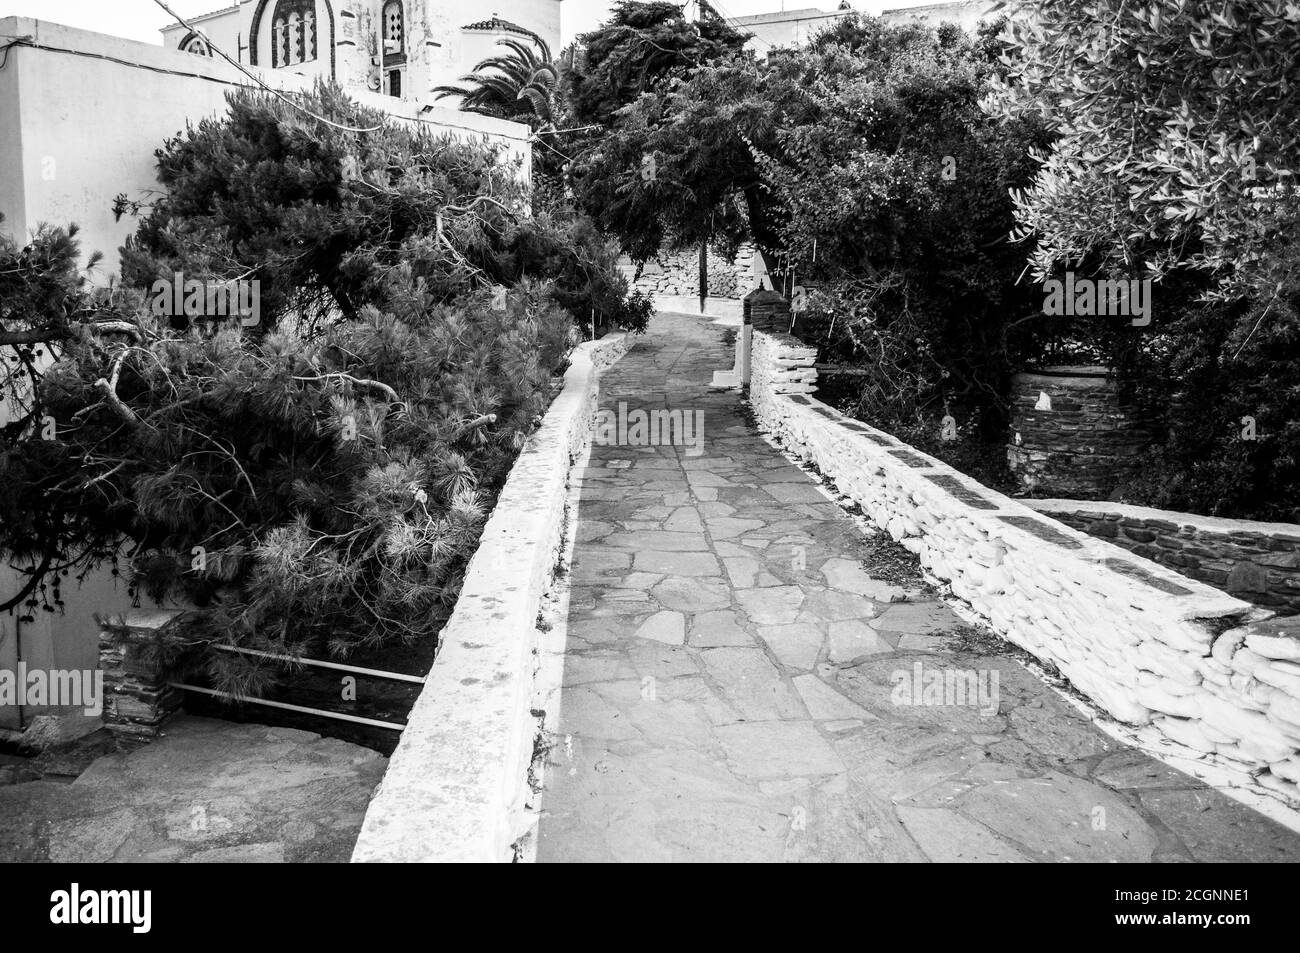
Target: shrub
{"type": "Point", "coordinates": [317, 481]}
{"type": "Point", "coordinates": [1174, 156]}
{"type": "Point", "coordinates": [891, 190]}
{"type": "Point", "coordinates": [1221, 384]}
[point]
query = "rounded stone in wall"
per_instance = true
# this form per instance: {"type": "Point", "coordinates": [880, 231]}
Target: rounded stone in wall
{"type": "Point", "coordinates": [1071, 436]}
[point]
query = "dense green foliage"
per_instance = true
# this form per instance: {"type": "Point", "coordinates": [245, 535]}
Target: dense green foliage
{"type": "Point", "coordinates": [518, 84]}
{"type": "Point", "coordinates": [1176, 147]}
{"type": "Point", "coordinates": [314, 478]}
{"type": "Point", "coordinates": [892, 194]}
{"type": "Point", "coordinates": [45, 306]}
{"type": "Point", "coordinates": [1226, 407]}
{"type": "Point", "coordinates": [325, 219]}
{"type": "Point", "coordinates": [639, 48]}
{"type": "Point", "coordinates": [1177, 121]}
{"type": "Point", "coordinates": [863, 166]}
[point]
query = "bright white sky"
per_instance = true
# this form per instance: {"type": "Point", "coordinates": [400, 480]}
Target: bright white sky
{"type": "Point", "coordinates": [141, 19]}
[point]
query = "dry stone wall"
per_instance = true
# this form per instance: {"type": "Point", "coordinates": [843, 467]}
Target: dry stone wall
{"type": "Point", "coordinates": [1255, 561]}
{"type": "Point", "coordinates": [1071, 436]}
{"type": "Point", "coordinates": [678, 274]}
{"type": "Point", "coordinates": [1198, 671]}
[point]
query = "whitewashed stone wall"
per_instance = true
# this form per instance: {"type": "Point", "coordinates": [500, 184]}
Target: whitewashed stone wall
{"type": "Point", "coordinates": [1210, 675]}
{"type": "Point", "coordinates": [456, 788]}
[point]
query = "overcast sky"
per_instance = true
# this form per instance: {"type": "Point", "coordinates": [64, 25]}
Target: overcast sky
{"type": "Point", "coordinates": [141, 19]}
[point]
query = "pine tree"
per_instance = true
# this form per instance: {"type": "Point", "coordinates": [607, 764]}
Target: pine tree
{"type": "Point", "coordinates": [316, 481]}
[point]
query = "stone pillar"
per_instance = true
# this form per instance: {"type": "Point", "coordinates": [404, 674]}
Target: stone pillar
{"type": "Point", "coordinates": [1070, 435]}
{"type": "Point", "coordinates": [744, 353]}
{"type": "Point", "coordinates": [137, 698]}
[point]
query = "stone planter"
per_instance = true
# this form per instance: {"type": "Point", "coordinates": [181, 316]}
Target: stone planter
{"type": "Point", "coordinates": [1070, 434]}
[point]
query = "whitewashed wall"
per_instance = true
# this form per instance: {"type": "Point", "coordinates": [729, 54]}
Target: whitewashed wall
{"type": "Point", "coordinates": [1208, 674]}
{"type": "Point", "coordinates": [81, 116]}
{"type": "Point", "coordinates": [456, 788]}
{"type": "Point", "coordinates": [438, 48]}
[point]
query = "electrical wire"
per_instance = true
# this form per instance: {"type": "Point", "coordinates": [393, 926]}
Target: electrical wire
{"type": "Point", "coordinates": [28, 43]}
{"type": "Point", "coordinates": [734, 23]}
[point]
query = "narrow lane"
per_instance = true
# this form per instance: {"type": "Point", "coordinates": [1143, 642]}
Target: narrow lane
{"type": "Point", "coordinates": [746, 679]}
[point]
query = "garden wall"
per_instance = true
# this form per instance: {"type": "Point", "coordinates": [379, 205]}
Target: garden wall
{"type": "Point", "coordinates": [1071, 434]}
{"type": "Point", "coordinates": [1203, 673]}
{"type": "Point", "coordinates": [456, 788]}
{"type": "Point", "coordinates": [1255, 561]}
{"type": "Point", "coordinates": [677, 274]}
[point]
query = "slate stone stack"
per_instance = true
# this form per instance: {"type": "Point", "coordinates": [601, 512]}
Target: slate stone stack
{"type": "Point", "coordinates": [1077, 442]}
{"type": "Point", "coordinates": [1257, 562]}
{"type": "Point", "coordinates": [137, 698]}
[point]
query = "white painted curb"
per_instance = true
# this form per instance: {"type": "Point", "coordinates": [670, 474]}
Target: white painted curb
{"type": "Point", "coordinates": [456, 786]}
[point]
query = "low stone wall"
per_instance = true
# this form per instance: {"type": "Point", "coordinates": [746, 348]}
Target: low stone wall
{"type": "Point", "coordinates": [1255, 561]}
{"type": "Point", "coordinates": [456, 788]}
{"type": "Point", "coordinates": [1202, 673]}
{"type": "Point", "coordinates": [677, 274]}
{"type": "Point", "coordinates": [1070, 433]}
{"type": "Point", "coordinates": [780, 364]}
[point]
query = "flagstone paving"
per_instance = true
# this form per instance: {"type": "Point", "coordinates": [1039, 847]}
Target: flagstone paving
{"type": "Point", "coordinates": [735, 669]}
{"type": "Point", "coordinates": [207, 791]}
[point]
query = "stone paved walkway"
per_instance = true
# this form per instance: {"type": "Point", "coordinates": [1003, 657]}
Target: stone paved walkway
{"type": "Point", "coordinates": [732, 668]}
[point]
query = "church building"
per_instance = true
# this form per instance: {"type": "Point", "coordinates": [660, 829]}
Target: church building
{"type": "Point", "coordinates": [400, 48]}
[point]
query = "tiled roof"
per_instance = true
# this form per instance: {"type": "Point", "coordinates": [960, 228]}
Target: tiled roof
{"type": "Point", "coordinates": [197, 17]}
{"type": "Point", "coordinates": [496, 23]}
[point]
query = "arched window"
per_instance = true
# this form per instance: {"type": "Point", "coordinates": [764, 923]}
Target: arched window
{"type": "Point", "coordinates": [196, 44]}
{"type": "Point", "coordinates": [394, 29]}
{"type": "Point", "coordinates": [293, 33]}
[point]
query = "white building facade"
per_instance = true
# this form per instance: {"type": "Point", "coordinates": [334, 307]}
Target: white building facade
{"type": "Point", "coordinates": [789, 28]}
{"type": "Point", "coordinates": [398, 48]}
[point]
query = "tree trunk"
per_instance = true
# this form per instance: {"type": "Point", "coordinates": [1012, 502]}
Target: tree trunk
{"type": "Point", "coordinates": [763, 230]}
{"type": "Point", "coordinates": [704, 273]}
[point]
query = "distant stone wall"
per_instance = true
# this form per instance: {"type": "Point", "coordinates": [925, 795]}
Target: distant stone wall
{"type": "Point", "coordinates": [1255, 561]}
{"type": "Point", "coordinates": [1070, 435]}
{"type": "Point", "coordinates": [1196, 672]}
{"type": "Point", "coordinates": [678, 273]}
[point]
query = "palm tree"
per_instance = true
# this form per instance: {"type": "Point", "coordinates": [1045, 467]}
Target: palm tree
{"type": "Point", "coordinates": [518, 85]}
